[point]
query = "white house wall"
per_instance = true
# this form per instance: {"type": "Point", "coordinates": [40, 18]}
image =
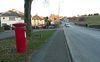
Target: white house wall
{"type": "Point", "coordinates": [33, 22]}
{"type": "Point", "coordinates": [18, 19]}
{"type": "Point", "coordinates": [41, 22]}
{"type": "Point", "coordinates": [37, 22]}
{"type": "Point", "coordinates": [5, 20]}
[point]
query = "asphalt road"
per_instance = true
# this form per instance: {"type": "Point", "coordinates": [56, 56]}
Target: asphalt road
{"type": "Point", "coordinates": [84, 43]}
{"type": "Point", "coordinates": [7, 34]}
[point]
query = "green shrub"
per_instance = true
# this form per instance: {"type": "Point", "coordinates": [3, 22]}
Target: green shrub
{"type": "Point", "coordinates": [6, 27]}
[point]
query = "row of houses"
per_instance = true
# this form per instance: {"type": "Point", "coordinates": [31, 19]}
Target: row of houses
{"type": "Point", "coordinates": [13, 16]}
{"type": "Point", "coordinates": [38, 21]}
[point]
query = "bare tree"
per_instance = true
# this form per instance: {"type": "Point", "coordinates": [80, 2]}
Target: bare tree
{"type": "Point", "coordinates": [27, 16]}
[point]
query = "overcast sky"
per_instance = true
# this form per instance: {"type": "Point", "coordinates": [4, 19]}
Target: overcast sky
{"type": "Point", "coordinates": [63, 7]}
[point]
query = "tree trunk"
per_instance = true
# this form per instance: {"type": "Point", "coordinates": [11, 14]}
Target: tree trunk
{"type": "Point", "coordinates": [27, 16]}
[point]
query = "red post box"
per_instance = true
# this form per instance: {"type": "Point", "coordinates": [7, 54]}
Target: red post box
{"type": "Point", "coordinates": [20, 37]}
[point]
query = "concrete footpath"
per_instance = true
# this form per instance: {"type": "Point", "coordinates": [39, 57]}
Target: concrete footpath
{"type": "Point", "coordinates": [56, 50]}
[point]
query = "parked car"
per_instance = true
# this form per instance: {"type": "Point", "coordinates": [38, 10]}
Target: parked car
{"type": "Point", "coordinates": [52, 26]}
{"type": "Point", "coordinates": [42, 26]}
{"type": "Point", "coordinates": [67, 24]}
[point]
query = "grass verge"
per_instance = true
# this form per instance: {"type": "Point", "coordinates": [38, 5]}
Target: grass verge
{"type": "Point", "coordinates": [8, 49]}
{"type": "Point", "coordinates": [91, 20]}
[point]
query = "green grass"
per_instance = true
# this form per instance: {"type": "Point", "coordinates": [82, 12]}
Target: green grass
{"type": "Point", "coordinates": [91, 20]}
{"type": "Point", "coordinates": [8, 50]}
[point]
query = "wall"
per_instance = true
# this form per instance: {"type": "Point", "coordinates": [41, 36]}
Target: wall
{"type": "Point", "coordinates": [10, 22]}
{"type": "Point", "coordinates": [37, 22]}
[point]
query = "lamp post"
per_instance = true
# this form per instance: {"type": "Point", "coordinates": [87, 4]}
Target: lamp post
{"type": "Point", "coordinates": [59, 7]}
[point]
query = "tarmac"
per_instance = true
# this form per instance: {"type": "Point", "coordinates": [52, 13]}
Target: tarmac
{"type": "Point", "coordinates": [7, 34]}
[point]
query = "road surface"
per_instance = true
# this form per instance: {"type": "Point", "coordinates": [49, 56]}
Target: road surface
{"type": "Point", "coordinates": [7, 34]}
{"type": "Point", "coordinates": [84, 43]}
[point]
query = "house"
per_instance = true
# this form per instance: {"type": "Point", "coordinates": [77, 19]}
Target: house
{"type": "Point", "coordinates": [54, 17]}
{"type": "Point", "coordinates": [10, 17]}
{"type": "Point", "coordinates": [38, 22]}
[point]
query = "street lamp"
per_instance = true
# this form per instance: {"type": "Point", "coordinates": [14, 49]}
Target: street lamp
{"type": "Point", "coordinates": [59, 7]}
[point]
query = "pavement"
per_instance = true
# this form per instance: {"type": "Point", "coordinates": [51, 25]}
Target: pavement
{"type": "Point", "coordinates": [55, 50]}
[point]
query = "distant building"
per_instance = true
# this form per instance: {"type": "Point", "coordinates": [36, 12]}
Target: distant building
{"type": "Point", "coordinates": [38, 21]}
{"type": "Point", "coordinates": [53, 17]}
{"type": "Point", "coordinates": [10, 17]}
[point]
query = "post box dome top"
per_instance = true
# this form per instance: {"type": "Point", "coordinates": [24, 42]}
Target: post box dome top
{"type": "Point", "coordinates": [19, 24]}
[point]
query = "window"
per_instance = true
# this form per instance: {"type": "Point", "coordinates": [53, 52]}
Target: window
{"type": "Point", "coordinates": [12, 18]}
{"type": "Point", "coordinates": [3, 17]}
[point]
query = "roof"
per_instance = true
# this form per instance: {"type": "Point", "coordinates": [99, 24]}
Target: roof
{"type": "Point", "coordinates": [53, 17]}
{"type": "Point", "coordinates": [13, 13]}
{"type": "Point", "coordinates": [36, 17]}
